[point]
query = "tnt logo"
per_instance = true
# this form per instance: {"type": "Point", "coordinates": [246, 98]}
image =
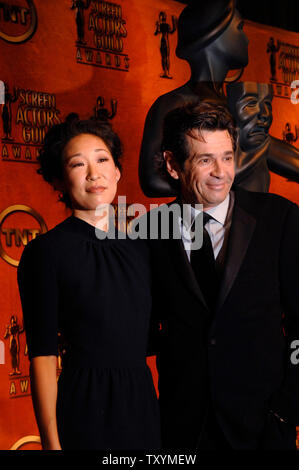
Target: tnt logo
{"type": "Point", "coordinates": [2, 92]}
{"type": "Point", "coordinates": [19, 225]}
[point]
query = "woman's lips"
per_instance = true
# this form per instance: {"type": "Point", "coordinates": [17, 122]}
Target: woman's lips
{"type": "Point", "coordinates": [96, 189]}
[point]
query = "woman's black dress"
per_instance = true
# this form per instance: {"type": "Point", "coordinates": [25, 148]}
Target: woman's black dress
{"type": "Point", "coordinates": [97, 294]}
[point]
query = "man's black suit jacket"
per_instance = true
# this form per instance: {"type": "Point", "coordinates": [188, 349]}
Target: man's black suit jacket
{"type": "Point", "coordinates": [238, 358]}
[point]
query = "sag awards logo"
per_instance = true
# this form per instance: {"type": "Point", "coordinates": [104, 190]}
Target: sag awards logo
{"type": "Point", "coordinates": [18, 21]}
{"type": "Point", "coordinates": [19, 383]}
{"type": "Point", "coordinates": [101, 32]}
{"type": "Point", "coordinates": [19, 224]}
{"type": "Point", "coordinates": [283, 66]}
{"type": "Point", "coordinates": [26, 116]}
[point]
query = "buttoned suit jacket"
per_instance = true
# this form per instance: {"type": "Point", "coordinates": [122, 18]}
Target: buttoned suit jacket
{"type": "Point", "coordinates": [241, 358]}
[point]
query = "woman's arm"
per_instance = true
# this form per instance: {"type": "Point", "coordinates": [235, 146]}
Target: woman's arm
{"type": "Point", "coordinates": [44, 397]}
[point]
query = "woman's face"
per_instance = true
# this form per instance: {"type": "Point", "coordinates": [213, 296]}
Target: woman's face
{"type": "Point", "coordinates": [90, 174]}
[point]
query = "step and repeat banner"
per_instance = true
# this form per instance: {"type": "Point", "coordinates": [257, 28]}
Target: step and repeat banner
{"type": "Point", "coordinates": [95, 58]}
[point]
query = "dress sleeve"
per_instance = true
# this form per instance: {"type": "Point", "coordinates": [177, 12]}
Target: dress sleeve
{"type": "Point", "coordinates": [37, 280]}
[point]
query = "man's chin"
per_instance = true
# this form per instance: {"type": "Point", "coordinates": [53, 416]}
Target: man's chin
{"type": "Point", "coordinates": [217, 197]}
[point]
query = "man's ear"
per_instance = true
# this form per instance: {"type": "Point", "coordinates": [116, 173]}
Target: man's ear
{"type": "Point", "coordinates": [171, 164]}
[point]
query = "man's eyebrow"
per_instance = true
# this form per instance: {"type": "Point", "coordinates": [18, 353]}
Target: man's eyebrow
{"type": "Point", "coordinates": [204, 154]}
{"type": "Point", "coordinates": [207, 154]}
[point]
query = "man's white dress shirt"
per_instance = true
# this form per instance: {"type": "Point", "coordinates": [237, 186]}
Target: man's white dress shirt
{"type": "Point", "coordinates": [215, 227]}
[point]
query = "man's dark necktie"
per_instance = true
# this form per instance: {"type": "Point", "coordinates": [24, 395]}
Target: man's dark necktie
{"type": "Point", "coordinates": [203, 265]}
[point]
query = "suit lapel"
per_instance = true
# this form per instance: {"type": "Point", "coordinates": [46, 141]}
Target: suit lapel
{"type": "Point", "coordinates": [185, 271]}
{"type": "Point", "coordinates": [241, 231]}
{"type": "Point", "coordinates": [178, 255]}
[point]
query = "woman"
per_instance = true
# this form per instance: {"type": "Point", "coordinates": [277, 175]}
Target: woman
{"type": "Point", "coordinates": [94, 292]}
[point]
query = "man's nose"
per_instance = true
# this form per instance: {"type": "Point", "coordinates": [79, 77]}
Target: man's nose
{"type": "Point", "coordinates": [217, 169]}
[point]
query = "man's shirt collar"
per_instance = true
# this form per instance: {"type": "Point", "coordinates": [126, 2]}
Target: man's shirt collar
{"type": "Point", "coordinates": [218, 213]}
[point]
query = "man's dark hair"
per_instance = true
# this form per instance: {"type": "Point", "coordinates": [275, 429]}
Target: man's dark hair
{"type": "Point", "coordinates": [180, 122]}
{"type": "Point", "coordinates": [56, 139]}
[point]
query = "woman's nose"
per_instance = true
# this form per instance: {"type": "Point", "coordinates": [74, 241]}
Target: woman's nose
{"type": "Point", "coordinates": [93, 172]}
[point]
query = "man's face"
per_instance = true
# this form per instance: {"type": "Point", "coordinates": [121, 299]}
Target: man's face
{"type": "Point", "coordinates": [253, 113]}
{"type": "Point", "coordinates": [208, 173]}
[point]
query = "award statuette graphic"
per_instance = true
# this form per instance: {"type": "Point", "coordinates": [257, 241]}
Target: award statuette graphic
{"type": "Point", "coordinates": [18, 23]}
{"type": "Point", "coordinates": [101, 112]}
{"type": "Point", "coordinates": [80, 5]}
{"type": "Point", "coordinates": [272, 50]}
{"type": "Point", "coordinates": [19, 235]}
{"type": "Point", "coordinates": [6, 113]}
{"type": "Point", "coordinates": [13, 330]}
{"type": "Point", "coordinates": [288, 135]}
{"type": "Point", "coordinates": [163, 28]}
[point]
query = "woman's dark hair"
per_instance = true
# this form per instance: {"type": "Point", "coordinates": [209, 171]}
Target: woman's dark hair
{"type": "Point", "coordinates": [56, 139]}
{"type": "Point", "coordinates": [180, 122]}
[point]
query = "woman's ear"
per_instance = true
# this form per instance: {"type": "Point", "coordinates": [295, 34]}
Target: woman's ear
{"type": "Point", "coordinates": [118, 174]}
{"type": "Point", "coordinates": [171, 164]}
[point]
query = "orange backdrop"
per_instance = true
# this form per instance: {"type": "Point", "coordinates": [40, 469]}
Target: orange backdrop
{"type": "Point", "coordinates": [48, 73]}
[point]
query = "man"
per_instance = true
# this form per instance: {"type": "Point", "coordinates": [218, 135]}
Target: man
{"type": "Point", "coordinates": [227, 377]}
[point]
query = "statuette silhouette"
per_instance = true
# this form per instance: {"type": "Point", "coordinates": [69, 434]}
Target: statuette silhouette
{"type": "Point", "coordinates": [212, 41]}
